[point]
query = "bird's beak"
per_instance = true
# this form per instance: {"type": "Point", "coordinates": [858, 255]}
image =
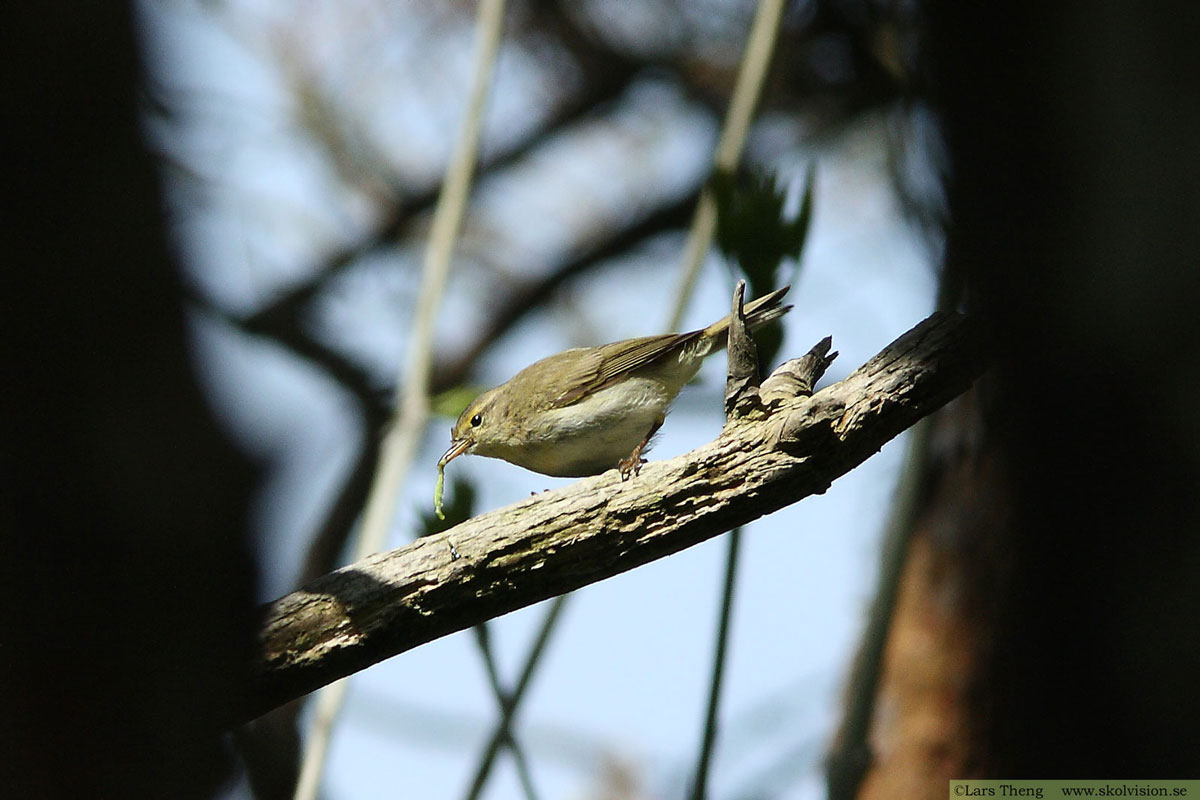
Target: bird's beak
{"type": "Point", "coordinates": [457, 448]}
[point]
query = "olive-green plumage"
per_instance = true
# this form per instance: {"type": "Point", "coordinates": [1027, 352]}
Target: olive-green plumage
{"type": "Point", "coordinates": [589, 409]}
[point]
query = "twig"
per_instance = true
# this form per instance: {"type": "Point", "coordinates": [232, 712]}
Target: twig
{"type": "Point", "coordinates": [597, 527]}
{"type": "Point", "coordinates": [504, 733]}
{"type": "Point", "coordinates": [753, 71]}
{"type": "Point", "coordinates": [503, 728]}
{"type": "Point", "coordinates": [761, 43]}
{"type": "Point", "coordinates": [709, 740]}
{"type": "Point", "coordinates": [401, 442]}
{"type": "Point", "coordinates": [742, 377]}
{"type": "Point", "coordinates": [743, 397]}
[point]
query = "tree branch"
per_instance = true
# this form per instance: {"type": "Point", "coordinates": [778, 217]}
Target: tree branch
{"type": "Point", "coordinates": [597, 527]}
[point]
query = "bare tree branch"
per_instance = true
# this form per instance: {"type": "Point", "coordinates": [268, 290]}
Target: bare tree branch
{"type": "Point", "coordinates": [595, 528]}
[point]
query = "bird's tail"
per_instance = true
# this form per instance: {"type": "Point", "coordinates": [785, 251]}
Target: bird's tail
{"type": "Point", "coordinates": [759, 312]}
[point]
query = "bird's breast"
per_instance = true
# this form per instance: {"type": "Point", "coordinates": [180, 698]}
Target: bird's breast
{"type": "Point", "coordinates": [593, 434]}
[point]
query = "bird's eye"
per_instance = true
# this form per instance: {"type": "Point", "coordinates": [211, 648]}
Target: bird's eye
{"type": "Point", "coordinates": [476, 421]}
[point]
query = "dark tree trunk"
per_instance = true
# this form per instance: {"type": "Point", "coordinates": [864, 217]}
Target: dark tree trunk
{"type": "Point", "coordinates": [1052, 568]}
{"type": "Point", "coordinates": [126, 579]}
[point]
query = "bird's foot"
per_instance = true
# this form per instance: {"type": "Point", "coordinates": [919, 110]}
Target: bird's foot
{"type": "Point", "coordinates": [632, 465]}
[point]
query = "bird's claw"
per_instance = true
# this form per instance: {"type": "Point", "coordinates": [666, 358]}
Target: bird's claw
{"type": "Point", "coordinates": [630, 466]}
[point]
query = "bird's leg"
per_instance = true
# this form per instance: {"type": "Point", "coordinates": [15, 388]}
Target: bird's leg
{"type": "Point", "coordinates": [633, 464]}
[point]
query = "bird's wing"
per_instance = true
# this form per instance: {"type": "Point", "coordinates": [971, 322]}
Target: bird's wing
{"type": "Point", "coordinates": [611, 362]}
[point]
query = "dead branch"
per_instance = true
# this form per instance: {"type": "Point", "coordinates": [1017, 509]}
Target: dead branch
{"type": "Point", "coordinates": [597, 527]}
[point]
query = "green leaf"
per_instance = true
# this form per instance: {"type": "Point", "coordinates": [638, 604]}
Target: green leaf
{"type": "Point", "coordinates": [752, 229]}
{"type": "Point", "coordinates": [753, 232]}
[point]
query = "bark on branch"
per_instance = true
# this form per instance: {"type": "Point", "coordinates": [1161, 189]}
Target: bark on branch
{"type": "Point", "coordinates": [559, 541]}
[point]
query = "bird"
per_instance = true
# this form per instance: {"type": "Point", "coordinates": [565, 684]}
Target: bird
{"type": "Point", "coordinates": [590, 409]}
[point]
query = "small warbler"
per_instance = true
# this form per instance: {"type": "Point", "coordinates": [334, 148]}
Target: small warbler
{"type": "Point", "coordinates": [588, 409]}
